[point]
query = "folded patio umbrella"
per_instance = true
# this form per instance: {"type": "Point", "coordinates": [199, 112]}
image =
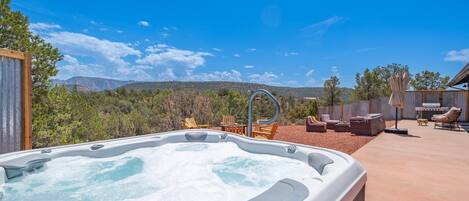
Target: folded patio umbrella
{"type": "Point", "coordinates": [398, 82]}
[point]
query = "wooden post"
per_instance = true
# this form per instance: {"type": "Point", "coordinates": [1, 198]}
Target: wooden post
{"type": "Point", "coordinates": [467, 103]}
{"type": "Point", "coordinates": [369, 106]}
{"type": "Point", "coordinates": [440, 97]}
{"type": "Point", "coordinates": [27, 101]}
{"type": "Point", "coordinates": [341, 111]}
{"type": "Point", "coordinates": [424, 97]}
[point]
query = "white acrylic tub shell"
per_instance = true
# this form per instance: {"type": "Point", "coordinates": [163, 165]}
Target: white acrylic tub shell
{"type": "Point", "coordinates": [340, 176]}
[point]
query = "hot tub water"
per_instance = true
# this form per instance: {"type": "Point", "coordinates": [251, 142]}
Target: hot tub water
{"type": "Point", "coordinates": [178, 171]}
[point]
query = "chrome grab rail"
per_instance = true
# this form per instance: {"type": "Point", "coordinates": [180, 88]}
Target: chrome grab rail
{"type": "Point", "coordinates": [262, 121]}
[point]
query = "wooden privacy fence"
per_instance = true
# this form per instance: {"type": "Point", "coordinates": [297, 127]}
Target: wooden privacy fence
{"type": "Point", "coordinates": [15, 101]}
{"type": "Point", "coordinates": [448, 98]}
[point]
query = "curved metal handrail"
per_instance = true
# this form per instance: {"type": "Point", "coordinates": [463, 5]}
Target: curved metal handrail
{"type": "Point", "coordinates": [272, 99]}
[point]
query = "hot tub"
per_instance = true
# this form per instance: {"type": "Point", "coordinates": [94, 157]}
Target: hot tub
{"type": "Point", "coordinates": [181, 165]}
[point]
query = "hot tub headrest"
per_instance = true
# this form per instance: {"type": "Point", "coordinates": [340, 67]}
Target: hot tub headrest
{"type": "Point", "coordinates": [197, 136]}
{"type": "Point", "coordinates": [285, 189]}
{"type": "Point", "coordinates": [319, 161]}
{"type": "Point", "coordinates": [17, 166]}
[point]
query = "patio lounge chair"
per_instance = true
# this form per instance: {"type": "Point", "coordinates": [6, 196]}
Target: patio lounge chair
{"type": "Point", "coordinates": [449, 118]}
{"type": "Point", "coordinates": [329, 122]}
{"type": "Point", "coordinates": [371, 124]}
{"type": "Point", "coordinates": [267, 133]}
{"type": "Point", "coordinates": [313, 125]}
{"type": "Point", "coordinates": [190, 123]}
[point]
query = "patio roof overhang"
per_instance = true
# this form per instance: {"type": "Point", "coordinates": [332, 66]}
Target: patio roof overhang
{"type": "Point", "coordinates": [461, 78]}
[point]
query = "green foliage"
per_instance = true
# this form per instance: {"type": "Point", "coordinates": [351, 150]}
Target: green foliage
{"type": "Point", "coordinates": [15, 35]}
{"type": "Point", "coordinates": [302, 109]}
{"type": "Point", "coordinates": [384, 73]}
{"type": "Point", "coordinates": [298, 112]}
{"type": "Point", "coordinates": [368, 86]}
{"type": "Point", "coordinates": [332, 91]}
{"type": "Point", "coordinates": [428, 80]}
{"type": "Point", "coordinates": [74, 117]}
{"type": "Point", "coordinates": [313, 108]}
{"type": "Point", "coordinates": [54, 123]}
{"type": "Point", "coordinates": [222, 87]}
{"type": "Point", "coordinates": [52, 112]}
{"type": "Point", "coordinates": [375, 83]}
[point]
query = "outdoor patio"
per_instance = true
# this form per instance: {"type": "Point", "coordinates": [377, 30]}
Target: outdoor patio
{"type": "Point", "coordinates": [343, 141]}
{"type": "Point", "coordinates": [428, 164]}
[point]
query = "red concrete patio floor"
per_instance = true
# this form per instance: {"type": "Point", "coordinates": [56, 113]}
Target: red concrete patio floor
{"type": "Point", "coordinates": [429, 164]}
{"type": "Point", "coordinates": [345, 142]}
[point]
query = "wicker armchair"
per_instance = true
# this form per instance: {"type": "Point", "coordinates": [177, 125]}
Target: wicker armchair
{"type": "Point", "coordinates": [449, 118]}
{"type": "Point", "coordinates": [330, 124]}
{"type": "Point", "coordinates": [371, 124]}
{"type": "Point", "coordinates": [313, 125]}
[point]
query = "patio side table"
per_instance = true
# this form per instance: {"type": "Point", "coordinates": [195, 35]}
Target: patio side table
{"type": "Point", "coordinates": [342, 127]}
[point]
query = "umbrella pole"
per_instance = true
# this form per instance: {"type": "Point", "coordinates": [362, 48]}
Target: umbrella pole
{"type": "Point", "coordinates": [396, 119]}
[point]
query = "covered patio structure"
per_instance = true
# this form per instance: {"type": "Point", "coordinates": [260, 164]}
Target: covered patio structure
{"type": "Point", "coordinates": [461, 78]}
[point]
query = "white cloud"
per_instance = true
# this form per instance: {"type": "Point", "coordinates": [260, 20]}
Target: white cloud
{"type": "Point", "coordinates": [249, 66]}
{"type": "Point", "coordinates": [311, 82]}
{"type": "Point", "coordinates": [236, 55]}
{"type": "Point", "coordinates": [42, 26]}
{"type": "Point", "coordinates": [292, 82]}
{"type": "Point", "coordinates": [232, 75]}
{"type": "Point", "coordinates": [156, 48]}
{"type": "Point", "coordinates": [266, 77]}
{"type": "Point", "coordinates": [172, 28]}
{"type": "Point", "coordinates": [164, 35]}
{"type": "Point", "coordinates": [251, 50]}
{"type": "Point", "coordinates": [104, 57]}
{"type": "Point", "coordinates": [287, 54]}
{"type": "Point", "coordinates": [367, 49]}
{"type": "Point", "coordinates": [165, 55]}
{"type": "Point", "coordinates": [134, 73]}
{"type": "Point", "coordinates": [320, 28]}
{"type": "Point", "coordinates": [120, 31]}
{"type": "Point", "coordinates": [167, 75]}
{"type": "Point", "coordinates": [86, 55]}
{"type": "Point", "coordinates": [81, 44]}
{"type": "Point", "coordinates": [70, 66]}
{"type": "Point", "coordinates": [310, 73]}
{"type": "Point", "coordinates": [458, 55]}
{"type": "Point", "coordinates": [144, 23]}
{"type": "Point", "coordinates": [335, 71]}
{"type": "Point", "coordinates": [217, 49]}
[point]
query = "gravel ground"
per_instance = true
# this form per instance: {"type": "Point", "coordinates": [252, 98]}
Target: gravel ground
{"type": "Point", "coordinates": [344, 141]}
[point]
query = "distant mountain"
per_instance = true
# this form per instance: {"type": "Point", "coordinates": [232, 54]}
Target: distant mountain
{"type": "Point", "coordinates": [216, 86]}
{"type": "Point", "coordinates": [91, 83]}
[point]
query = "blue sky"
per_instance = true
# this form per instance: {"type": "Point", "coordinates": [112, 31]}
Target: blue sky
{"type": "Point", "coordinates": [289, 43]}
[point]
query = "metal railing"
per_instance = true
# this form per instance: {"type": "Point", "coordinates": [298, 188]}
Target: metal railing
{"type": "Point", "coordinates": [263, 121]}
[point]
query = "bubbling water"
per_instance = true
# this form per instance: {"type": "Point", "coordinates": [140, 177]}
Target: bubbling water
{"type": "Point", "coordinates": [179, 171]}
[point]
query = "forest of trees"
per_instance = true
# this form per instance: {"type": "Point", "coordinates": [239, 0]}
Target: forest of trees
{"type": "Point", "coordinates": [64, 116]}
{"type": "Point", "coordinates": [73, 117]}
